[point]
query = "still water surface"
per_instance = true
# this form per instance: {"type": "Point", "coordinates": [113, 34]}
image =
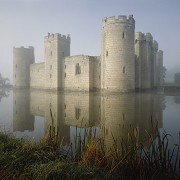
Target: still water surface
{"type": "Point", "coordinates": [27, 113]}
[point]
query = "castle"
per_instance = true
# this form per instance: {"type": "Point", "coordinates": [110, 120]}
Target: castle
{"type": "Point", "coordinates": [128, 61]}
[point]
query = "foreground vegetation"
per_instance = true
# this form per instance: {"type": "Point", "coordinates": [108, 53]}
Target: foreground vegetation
{"type": "Point", "coordinates": [89, 158]}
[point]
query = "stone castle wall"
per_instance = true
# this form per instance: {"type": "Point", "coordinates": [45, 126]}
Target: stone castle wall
{"type": "Point", "coordinates": [139, 56]}
{"type": "Point", "coordinates": [154, 65]}
{"type": "Point", "coordinates": [128, 61]}
{"type": "Point", "coordinates": [143, 52]}
{"type": "Point", "coordinates": [76, 73]}
{"type": "Point", "coordinates": [95, 73]}
{"type": "Point", "coordinates": [159, 66]}
{"type": "Point", "coordinates": [37, 75]}
{"type": "Point", "coordinates": [81, 73]}
{"type": "Point", "coordinates": [147, 67]}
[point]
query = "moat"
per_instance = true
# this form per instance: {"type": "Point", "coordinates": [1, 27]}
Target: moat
{"type": "Point", "coordinates": [27, 114]}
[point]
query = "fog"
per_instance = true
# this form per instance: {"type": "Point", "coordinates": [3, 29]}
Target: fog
{"type": "Point", "coordinates": [26, 22]}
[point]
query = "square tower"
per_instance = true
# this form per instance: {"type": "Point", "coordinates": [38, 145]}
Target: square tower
{"type": "Point", "coordinates": [57, 47]}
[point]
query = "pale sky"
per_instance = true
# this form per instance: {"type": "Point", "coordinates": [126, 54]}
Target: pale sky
{"type": "Point", "coordinates": [26, 22]}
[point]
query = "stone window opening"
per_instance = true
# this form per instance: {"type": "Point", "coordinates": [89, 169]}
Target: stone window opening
{"type": "Point", "coordinates": [136, 41]}
{"type": "Point", "coordinates": [124, 116]}
{"type": "Point", "coordinates": [106, 53]}
{"type": "Point", "coordinates": [50, 75]}
{"type": "Point", "coordinates": [124, 70]}
{"type": "Point", "coordinates": [106, 132]}
{"type": "Point", "coordinates": [50, 66]}
{"type": "Point", "coordinates": [123, 35]}
{"type": "Point", "coordinates": [51, 53]}
{"type": "Point", "coordinates": [77, 113]}
{"type": "Point", "coordinates": [64, 75]}
{"type": "Point", "coordinates": [78, 69]}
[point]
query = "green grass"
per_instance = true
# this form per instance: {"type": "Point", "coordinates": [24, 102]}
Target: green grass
{"type": "Point", "coordinates": [20, 159]}
{"type": "Point", "coordinates": [89, 158]}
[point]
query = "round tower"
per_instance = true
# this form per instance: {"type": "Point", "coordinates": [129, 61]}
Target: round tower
{"type": "Point", "coordinates": [117, 57]}
{"type": "Point", "coordinates": [22, 59]}
{"type": "Point", "coordinates": [159, 65]}
{"type": "Point", "coordinates": [139, 57]}
{"type": "Point", "coordinates": [154, 65]}
{"type": "Point", "coordinates": [146, 81]}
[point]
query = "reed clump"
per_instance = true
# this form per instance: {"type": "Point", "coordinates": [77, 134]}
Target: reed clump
{"type": "Point", "coordinates": [133, 159]}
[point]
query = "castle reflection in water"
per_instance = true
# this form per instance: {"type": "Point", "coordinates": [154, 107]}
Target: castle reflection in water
{"type": "Point", "coordinates": [114, 113]}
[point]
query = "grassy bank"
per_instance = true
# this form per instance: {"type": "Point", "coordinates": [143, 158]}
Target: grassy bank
{"type": "Point", "coordinates": [20, 159]}
{"type": "Point", "coordinates": [89, 159]}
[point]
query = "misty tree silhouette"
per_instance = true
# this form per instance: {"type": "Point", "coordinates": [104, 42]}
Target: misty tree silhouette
{"type": "Point", "coordinates": [3, 93]}
{"type": "Point", "coordinates": [4, 82]}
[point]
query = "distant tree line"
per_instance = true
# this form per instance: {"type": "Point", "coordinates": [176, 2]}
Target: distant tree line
{"type": "Point", "coordinates": [177, 78]}
{"type": "Point", "coordinates": [163, 73]}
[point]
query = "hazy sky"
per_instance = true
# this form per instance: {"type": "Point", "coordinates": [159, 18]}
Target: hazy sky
{"type": "Point", "coordinates": [26, 22]}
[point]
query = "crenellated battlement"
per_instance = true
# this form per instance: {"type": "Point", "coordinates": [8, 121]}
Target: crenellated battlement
{"type": "Point", "coordinates": [160, 52]}
{"type": "Point", "coordinates": [24, 48]}
{"type": "Point", "coordinates": [23, 51]}
{"type": "Point", "coordinates": [149, 37]}
{"type": "Point", "coordinates": [119, 19]}
{"type": "Point", "coordinates": [155, 45]}
{"type": "Point", "coordinates": [139, 36]}
{"type": "Point", "coordinates": [50, 37]}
